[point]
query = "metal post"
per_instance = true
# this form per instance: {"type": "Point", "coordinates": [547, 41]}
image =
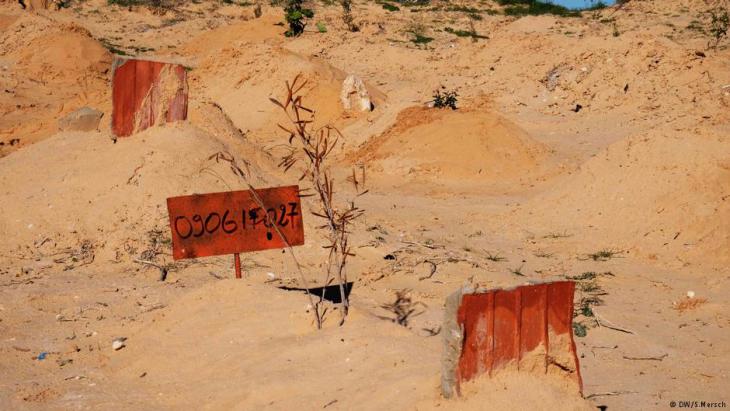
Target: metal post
{"type": "Point", "coordinates": [237, 263]}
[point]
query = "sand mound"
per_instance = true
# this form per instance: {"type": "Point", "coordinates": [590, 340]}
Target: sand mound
{"type": "Point", "coordinates": [244, 94]}
{"type": "Point", "coordinates": [233, 345]}
{"type": "Point", "coordinates": [464, 145]}
{"type": "Point", "coordinates": [70, 55]}
{"type": "Point", "coordinates": [200, 352]}
{"type": "Point", "coordinates": [49, 70]}
{"type": "Point", "coordinates": [661, 195]}
{"type": "Point", "coordinates": [241, 83]}
{"type": "Point", "coordinates": [111, 195]}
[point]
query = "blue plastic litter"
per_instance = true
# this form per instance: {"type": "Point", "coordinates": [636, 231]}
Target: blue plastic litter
{"type": "Point", "coordinates": [42, 356]}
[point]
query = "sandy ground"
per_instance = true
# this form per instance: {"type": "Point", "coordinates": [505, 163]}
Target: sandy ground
{"type": "Point", "coordinates": [517, 184]}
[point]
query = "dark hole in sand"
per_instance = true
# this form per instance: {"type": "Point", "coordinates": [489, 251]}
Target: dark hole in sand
{"type": "Point", "coordinates": [331, 292]}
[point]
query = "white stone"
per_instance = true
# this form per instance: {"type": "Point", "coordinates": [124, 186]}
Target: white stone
{"type": "Point", "coordinates": [118, 344]}
{"type": "Point", "coordinates": [355, 95]}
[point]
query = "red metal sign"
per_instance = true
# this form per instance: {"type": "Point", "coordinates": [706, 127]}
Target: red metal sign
{"type": "Point", "coordinates": [233, 222]}
{"type": "Point", "coordinates": [529, 327]}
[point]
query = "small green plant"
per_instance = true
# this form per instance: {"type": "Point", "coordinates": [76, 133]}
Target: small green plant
{"type": "Point", "coordinates": [589, 296]}
{"type": "Point", "coordinates": [321, 27]}
{"type": "Point", "coordinates": [445, 99]}
{"type": "Point", "coordinates": [696, 25]}
{"type": "Point", "coordinates": [296, 15]}
{"type": "Point", "coordinates": [718, 25]}
{"type": "Point", "coordinates": [604, 255]}
{"type": "Point", "coordinates": [390, 7]}
{"type": "Point", "coordinates": [517, 271]}
{"type": "Point", "coordinates": [465, 33]}
{"type": "Point", "coordinates": [554, 235]}
{"type": "Point", "coordinates": [417, 31]}
{"type": "Point", "coordinates": [113, 48]}
{"type": "Point", "coordinates": [579, 329]}
{"type": "Point", "coordinates": [495, 257]}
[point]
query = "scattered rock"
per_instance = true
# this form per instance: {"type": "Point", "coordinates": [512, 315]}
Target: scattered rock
{"type": "Point", "coordinates": [552, 78]}
{"type": "Point", "coordinates": [355, 94]}
{"type": "Point", "coordinates": [118, 343]}
{"type": "Point", "coordinates": [83, 119]}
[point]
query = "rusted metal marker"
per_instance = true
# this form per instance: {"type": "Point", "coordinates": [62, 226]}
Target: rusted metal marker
{"type": "Point", "coordinates": [145, 93]}
{"type": "Point", "coordinates": [233, 222]}
{"type": "Point", "coordinates": [528, 328]}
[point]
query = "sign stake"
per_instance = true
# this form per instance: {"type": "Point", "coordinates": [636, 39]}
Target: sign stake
{"type": "Point", "coordinates": [237, 263]}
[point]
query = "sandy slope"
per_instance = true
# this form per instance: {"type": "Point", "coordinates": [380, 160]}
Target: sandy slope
{"type": "Point", "coordinates": [515, 181]}
{"type": "Point", "coordinates": [48, 70]}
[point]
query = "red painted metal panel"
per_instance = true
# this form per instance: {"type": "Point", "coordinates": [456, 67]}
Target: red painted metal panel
{"type": "Point", "coordinates": [529, 325]}
{"type": "Point", "coordinates": [476, 353]}
{"type": "Point", "coordinates": [144, 96]}
{"type": "Point", "coordinates": [506, 327]}
{"type": "Point", "coordinates": [533, 327]}
{"type": "Point", "coordinates": [561, 345]}
{"type": "Point", "coordinates": [123, 99]}
{"type": "Point", "coordinates": [139, 95]}
{"type": "Point", "coordinates": [178, 105]}
{"type": "Point", "coordinates": [232, 222]}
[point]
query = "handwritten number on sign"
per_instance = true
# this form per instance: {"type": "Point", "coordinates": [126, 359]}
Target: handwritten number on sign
{"type": "Point", "coordinates": [255, 216]}
{"type": "Point", "coordinates": [228, 226]}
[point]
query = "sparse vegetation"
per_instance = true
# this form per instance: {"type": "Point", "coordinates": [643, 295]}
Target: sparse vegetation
{"type": "Point", "coordinates": [445, 98]}
{"type": "Point", "coordinates": [311, 149]}
{"type": "Point", "coordinates": [390, 7]}
{"type": "Point", "coordinates": [113, 48]}
{"type": "Point", "coordinates": [347, 16]}
{"type": "Point", "coordinates": [719, 22]}
{"type": "Point", "coordinates": [495, 257]}
{"type": "Point", "coordinates": [554, 235]}
{"type": "Point", "coordinates": [589, 292]}
{"type": "Point", "coordinates": [603, 255]}
{"type": "Point", "coordinates": [418, 34]}
{"type": "Point", "coordinates": [517, 271]}
{"type": "Point", "coordinates": [403, 307]}
{"type": "Point", "coordinates": [465, 33]}
{"type": "Point", "coordinates": [296, 16]}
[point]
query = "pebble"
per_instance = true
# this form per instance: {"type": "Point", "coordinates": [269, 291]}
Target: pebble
{"type": "Point", "coordinates": [118, 343]}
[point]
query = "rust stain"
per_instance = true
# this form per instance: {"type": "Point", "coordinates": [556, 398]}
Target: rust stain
{"type": "Point", "coordinates": [145, 93]}
{"type": "Point", "coordinates": [529, 327]}
{"type": "Point", "coordinates": [232, 222]}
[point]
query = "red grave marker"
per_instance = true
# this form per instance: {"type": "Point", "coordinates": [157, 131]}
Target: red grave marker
{"type": "Point", "coordinates": [527, 327]}
{"type": "Point", "coordinates": [233, 222]}
{"type": "Point", "coordinates": [145, 93]}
